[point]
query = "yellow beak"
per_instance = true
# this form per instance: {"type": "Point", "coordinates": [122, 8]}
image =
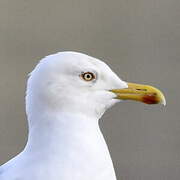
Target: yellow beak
{"type": "Point", "coordinates": [143, 93]}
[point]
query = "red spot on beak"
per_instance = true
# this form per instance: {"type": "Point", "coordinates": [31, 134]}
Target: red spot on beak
{"type": "Point", "coordinates": [150, 99]}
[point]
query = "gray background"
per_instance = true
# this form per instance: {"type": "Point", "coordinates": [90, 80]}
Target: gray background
{"type": "Point", "coordinates": [139, 39]}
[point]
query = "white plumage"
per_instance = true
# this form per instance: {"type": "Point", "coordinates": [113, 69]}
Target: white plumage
{"type": "Point", "coordinates": [63, 109]}
{"type": "Point", "coordinates": [65, 142]}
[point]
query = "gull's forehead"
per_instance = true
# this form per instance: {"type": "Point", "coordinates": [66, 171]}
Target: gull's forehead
{"type": "Point", "coordinates": [73, 61]}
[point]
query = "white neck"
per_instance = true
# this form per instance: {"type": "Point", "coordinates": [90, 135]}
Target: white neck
{"type": "Point", "coordinates": [72, 144]}
{"type": "Point", "coordinates": [56, 128]}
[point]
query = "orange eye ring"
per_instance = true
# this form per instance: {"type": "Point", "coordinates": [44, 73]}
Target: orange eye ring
{"type": "Point", "coordinates": [88, 76]}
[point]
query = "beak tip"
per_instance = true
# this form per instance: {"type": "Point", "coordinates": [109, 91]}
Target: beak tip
{"type": "Point", "coordinates": [163, 102]}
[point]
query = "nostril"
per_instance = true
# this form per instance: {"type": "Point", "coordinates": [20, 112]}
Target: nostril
{"type": "Point", "coordinates": [141, 89]}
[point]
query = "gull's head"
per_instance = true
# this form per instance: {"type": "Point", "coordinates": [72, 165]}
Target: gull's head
{"type": "Point", "coordinates": [77, 83]}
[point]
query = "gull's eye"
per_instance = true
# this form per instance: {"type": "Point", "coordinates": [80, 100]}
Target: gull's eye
{"type": "Point", "coordinates": [88, 76]}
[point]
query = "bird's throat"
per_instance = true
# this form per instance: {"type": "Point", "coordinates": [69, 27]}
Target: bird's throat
{"type": "Point", "coordinates": [77, 142]}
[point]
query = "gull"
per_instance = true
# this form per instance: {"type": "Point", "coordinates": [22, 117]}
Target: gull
{"type": "Point", "coordinates": [67, 93]}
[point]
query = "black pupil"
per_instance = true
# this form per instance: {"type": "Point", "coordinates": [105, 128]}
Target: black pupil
{"type": "Point", "coordinates": [88, 76]}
